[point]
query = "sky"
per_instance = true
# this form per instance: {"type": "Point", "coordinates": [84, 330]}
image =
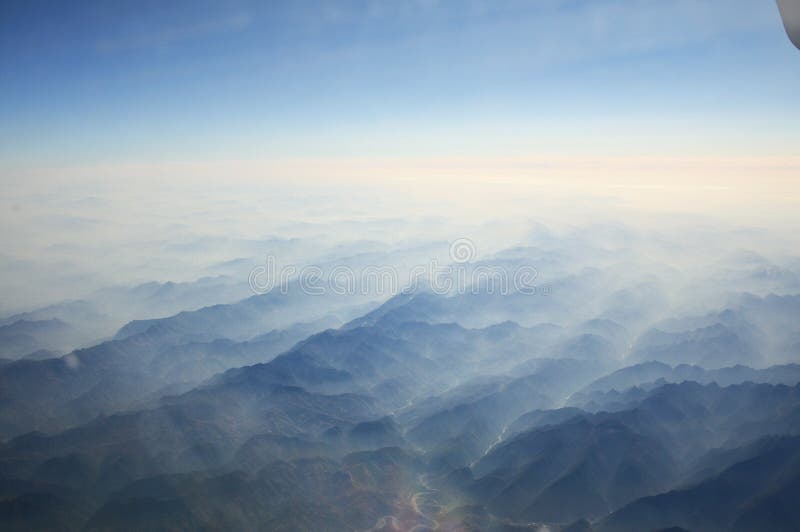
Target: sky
{"type": "Point", "coordinates": [86, 83]}
{"type": "Point", "coordinates": [129, 128]}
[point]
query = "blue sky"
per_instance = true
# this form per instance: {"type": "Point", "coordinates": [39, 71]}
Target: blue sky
{"type": "Point", "coordinates": [113, 82]}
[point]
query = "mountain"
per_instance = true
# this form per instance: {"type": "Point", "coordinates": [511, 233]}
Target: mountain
{"type": "Point", "coordinates": [396, 362]}
{"type": "Point", "coordinates": [99, 314]}
{"type": "Point", "coordinates": [202, 430]}
{"type": "Point", "coordinates": [21, 337]}
{"type": "Point", "coordinates": [57, 393]}
{"type": "Point", "coordinates": [755, 494]}
{"type": "Point", "coordinates": [627, 392]}
{"type": "Point", "coordinates": [89, 324]}
{"type": "Point", "coordinates": [591, 464]}
{"type": "Point", "coordinates": [244, 319]}
{"type": "Point", "coordinates": [596, 464]}
{"type": "Point", "coordinates": [540, 418]}
{"type": "Point", "coordinates": [308, 494]}
{"type": "Point", "coordinates": [469, 420]}
{"type": "Point", "coordinates": [714, 346]}
{"type": "Point", "coordinates": [650, 372]}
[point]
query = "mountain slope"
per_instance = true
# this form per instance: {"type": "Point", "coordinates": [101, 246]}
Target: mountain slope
{"type": "Point", "coordinates": [756, 494]}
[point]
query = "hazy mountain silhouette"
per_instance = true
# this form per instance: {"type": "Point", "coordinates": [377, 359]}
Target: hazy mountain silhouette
{"type": "Point", "coordinates": [599, 409]}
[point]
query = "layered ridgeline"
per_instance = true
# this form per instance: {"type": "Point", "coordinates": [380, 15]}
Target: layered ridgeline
{"type": "Point", "coordinates": [612, 400]}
